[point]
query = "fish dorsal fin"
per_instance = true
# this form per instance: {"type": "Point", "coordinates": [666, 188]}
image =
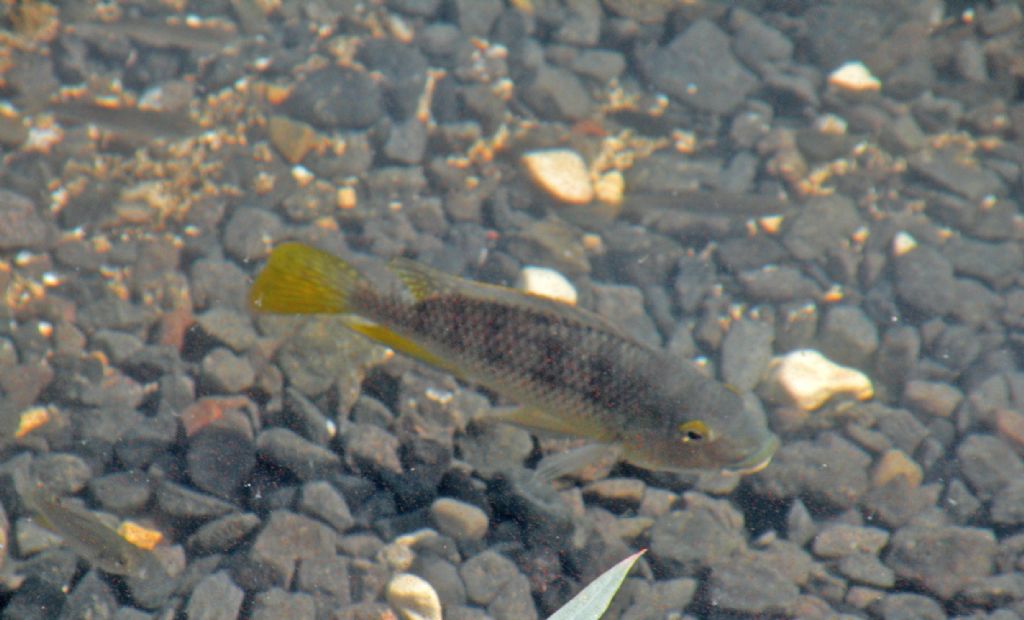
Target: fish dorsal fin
{"type": "Point", "coordinates": [424, 282]}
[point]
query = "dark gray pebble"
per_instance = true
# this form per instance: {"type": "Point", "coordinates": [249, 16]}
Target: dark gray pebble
{"type": "Point", "coordinates": [284, 540]}
{"type": "Point", "coordinates": [909, 606]}
{"type": "Point", "coordinates": [601, 65]}
{"type": "Point", "coordinates": [61, 473]}
{"type": "Point", "coordinates": [946, 168]}
{"type": "Point", "coordinates": [698, 68]}
{"type": "Point", "coordinates": [513, 601]}
{"type": "Point", "coordinates": [21, 227]}
{"type": "Point", "coordinates": [1008, 504]}
{"type": "Point", "coordinates": [897, 502]}
{"type": "Point", "coordinates": [752, 588]}
{"type": "Point", "coordinates": [371, 449]}
{"type": "Point", "coordinates": [995, 591]}
{"type": "Point", "coordinates": [314, 99]}
{"type": "Point", "coordinates": [304, 417]}
{"type": "Point", "coordinates": [222, 534]}
{"type": "Point", "coordinates": [533, 504]}
{"type": "Point", "coordinates": [866, 569]}
{"type": "Point", "coordinates": [92, 598]}
{"type": "Point", "coordinates": [403, 72]}
{"type": "Point", "coordinates": [756, 42]}
{"type": "Point", "coordinates": [924, 281]}
{"type": "Point", "coordinates": [276, 603]}
{"type": "Point", "coordinates": [997, 264]}
{"type": "Point", "coordinates": [229, 327]}
{"type": "Point", "coordinates": [932, 398]}
{"type": "Point", "coordinates": [989, 464]}
{"type": "Point", "coordinates": [406, 142]}
{"type": "Point", "coordinates": [476, 17]}
{"type": "Point", "coordinates": [326, 577]}
{"type": "Point", "coordinates": [251, 232]}
{"type": "Point", "coordinates": [443, 576]}
{"type": "Point", "coordinates": [959, 502]}
{"type": "Point", "coordinates": [831, 469]}
{"type": "Point", "coordinates": [746, 351]}
{"type": "Point", "coordinates": [557, 94]}
{"type": "Point", "coordinates": [777, 283]}
{"type": "Point", "coordinates": [657, 599]}
{"type": "Point", "coordinates": [222, 455]}
{"type": "Point", "coordinates": [942, 559]}
{"type": "Point", "coordinates": [121, 492]}
{"type": "Point", "coordinates": [848, 336]}
{"type": "Point", "coordinates": [321, 500]}
{"type": "Point", "coordinates": [623, 306]}
{"type": "Point", "coordinates": [485, 574]}
{"type": "Point", "coordinates": [180, 502]}
{"type": "Point", "coordinates": [303, 458]}
{"type": "Point", "coordinates": [219, 283]}
{"type": "Point", "coordinates": [683, 542]}
{"type": "Point", "coordinates": [822, 225]}
{"type": "Point", "coordinates": [215, 598]}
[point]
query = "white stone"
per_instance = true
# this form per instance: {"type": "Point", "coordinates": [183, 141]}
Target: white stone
{"type": "Point", "coordinates": [854, 76]}
{"type": "Point", "coordinates": [546, 282]}
{"type": "Point", "coordinates": [902, 243]}
{"type": "Point", "coordinates": [561, 173]}
{"type": "Point", "coordinates": [808, 379]}
{"type": "Point", "coordinates": [413, 598]}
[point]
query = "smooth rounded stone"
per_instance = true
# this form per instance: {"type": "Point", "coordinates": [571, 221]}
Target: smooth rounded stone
{"type": "Point", "coordinates": [942, 559]}
{"type": "Point", "coordinates": [222, 534]}
{"type": "Point", "coordinates": [460, 520]}
{"type": "Point", "coordinates": [617, 492]}
{"type": "Point", "coordinates": [746, 351]}
{"type": "Point", "coordinates": [305, 459]}
{"type": "Point", "coordinates": [866, 569]}
{"type": "Point", "coordinates": [229, 327]}
{"type": "Point", "coordinates": [841, 540]}
{"type": "Point", "coordinates": [326, 576]}
{"type": "Point", "coordinates": [561, 173]}
{"type": "Point", "coordinates": [776, 284]}
{"type": "Point", "coordinates": [413, 597]}
{"type": "Point", "coordinates": [854, 76]}
{"type": "Point", "coordinates": [807, 379]}
{"type": "Point", "coordinates": [91, 598]}
{"type": "Point", "coordinates": [698, 68]}
{"type": "Point", "coordinates": [443, 576]}
{"type": "Point", "coordinates": [219, 283]}
{"type": "Point", "coordinates": [227, 373]}
{"type": "Point", "coordinates": [556, 93]}
{"type": "Point", "coordinates": [995, 591]}
{"type": "Point", "coordinates": [222, 454]}
{"type": "Point", "coordinates": [407, 142]}
{"type": "Point", "coordinates": [823, 225]}
{"type": "Point", "coordinates": [1008, 506]}
{"type": "Point", "coordinates": [989, 464]}
{"type": "Point", "coordinates": [624, 306]}
{"type": "Point", "coordinates": [848, 336]}
{"type": "Point", "coordinates": [546, 282]}
{"type": "Point", "coordinates": [909, 606]}
{"type": "Point", "coordinates": [932, 398]}
{"type": "Point", "coordinates": [292, 139]}
{"type": "Point", "coordinates": [492, 448]}
{"type": "Point", "coordinates": [896, 464]}
{"type": "Point", "coordinates": [182, 503]}
{"type": "Point", "coordinates": [121, 492]}
{"type": "Point", "coordinates": [485, 574]}
{"type": "Point", "coordinates": [215, 597]}
{"type": "Point", "coordinates": [251, 232]}
{"type": "Point", "coordinates": [924, 281]}
{"type": "Point", "coordinates": [314, 99]}
{"type": "Point", "coordinates": [830, 470]}
{"type": "Point", "coordinates": [1009, 425]}
{"type": "Point", "coordinates": [21, 227]}
{"type": "Point", "coordinates": [514, 601]}
{"type": "Point", "coordinates": [996, 264]}
{"type": "Point", "coordinates": [276, 603]}
{"type": "Point", "coordinates": [284, 540]}
{"type": "Point", "coordinates": [705, 532]}
{"type": "Point", "coordinates": [659, 599]}
{"type": "Point", "coordinates": [321, 500]}
{"type": "Point", "coordinates": [369, 448]}
{"type": "Point", "coordinates": [749, 587]}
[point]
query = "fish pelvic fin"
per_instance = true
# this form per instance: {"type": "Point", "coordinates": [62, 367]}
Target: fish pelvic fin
{"type": "Point", "coordinates": [300, 279]}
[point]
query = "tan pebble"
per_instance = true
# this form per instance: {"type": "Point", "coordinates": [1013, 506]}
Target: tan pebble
{"type": "Point", "coordinates": [808, 379]}
{"type": "Point", "coordinates": [1010, 425]}
{"type": "Point", "coordinates": [293, 139]}
{"type": "Point", "coordinates": [902, 243]}
{"type": "Point", "coordinates": [413, 598]}
{"type": "Point", "coordinates": [546, 282]}
{"type": "Point", "coordinates": [854, 76]}
{"type": "Point", "coordinates": [861, 597]}
{"type": "Point", "coordinates": [347, 198]}
{"type": "Point", "coordinates": [561, 173]}
{"type": "Point", "coordinates": [621, 490]}
{"type": "Point", "coordinates": [893, 464]}
{"type": "Point", "coordinates": [610, 187]}
{"type": "Point", "coordinates": [460, 520]}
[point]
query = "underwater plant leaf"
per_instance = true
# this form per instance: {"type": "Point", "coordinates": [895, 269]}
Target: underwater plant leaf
{"type": "Point", "coordinates": [593, 600]}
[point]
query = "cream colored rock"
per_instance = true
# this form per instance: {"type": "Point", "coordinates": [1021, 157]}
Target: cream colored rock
{"type": "Point", "coordinates": [460, 520]}
{"type": "Point", "coordinates": [546, 282]}
{"type": "Point", "coordinates": [561, 173]}
{"type": "Point", "coordinates": [807, 379]}
{"type": "Point", "coordinates": [854, 76]}
{"type": "Point", "coordinates": [413, 598]}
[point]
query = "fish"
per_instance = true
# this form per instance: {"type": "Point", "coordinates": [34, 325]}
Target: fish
{"type": "Point", "coordinates": [89, 537]}
{"type": "Point", "coordinates": [570, 372]}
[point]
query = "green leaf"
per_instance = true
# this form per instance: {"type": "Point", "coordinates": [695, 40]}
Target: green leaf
{"type": "Point", "coordinates": [593, 600]}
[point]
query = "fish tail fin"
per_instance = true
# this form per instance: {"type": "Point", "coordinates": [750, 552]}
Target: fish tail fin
{"type": "Point", "coordinates": [300, 279]}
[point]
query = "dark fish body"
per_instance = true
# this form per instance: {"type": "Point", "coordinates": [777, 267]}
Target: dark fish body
{"type": "Point", "coordinates": [573, 372]}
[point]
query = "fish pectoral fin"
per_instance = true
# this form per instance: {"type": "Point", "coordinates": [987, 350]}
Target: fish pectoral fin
{"type": "Point", "coordinates": [555, 466]}
{"type": "Point", "coordinates": [388, 338]}
{"type": "Point", "coordinates": [538, 421]}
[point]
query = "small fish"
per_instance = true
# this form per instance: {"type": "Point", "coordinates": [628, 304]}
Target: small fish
{"type": "Point", "coordinates": [572, 372]}
{"type": "Point", "coordinates": [89, 537]}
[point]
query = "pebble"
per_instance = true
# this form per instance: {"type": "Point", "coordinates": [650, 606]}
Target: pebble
{"type": "Point", "coordinates": [321, 500]}
{"type": "Point", "coordinates": [370, 449]}
{"type": "Point", "coordinates": [866, 569]}
{"type": "Point", "coordinates": [625, 493]}
{"type": "Point", "coordinates": [932, 398]}
{"type": "Point", "coordinates": [830, 470]}
{"type": "Point", "coordinates": [222, 534]}
{"type": "Point", "coordinates": [777, 283]}
{"type": "Point", "coordinates": [215, 597]}
{"type": "Point", "coordinates": [222, 455]}
{"type": "Point", "coordinates": [305, 459]}
{"type": "Point", "coordinates": [180, 502]}
{"type": "Point", "coordinates": [413, 597]}
{"type": "Point", "coordinates": [561, 173]}
{"type": "Point", "coordinates": [250, 234]}
{"type": "Point", "coordinates": [907, 605]}
{"type": "Point", "coordinates": [312, 99]}
{"type": "Point", "coordinates": [121, 492]}
{"type": "Point", "coordinates": [822, 225]}
{"type": "Point", "coordinates": [277, 603]}
{"type": "Point", "coordinates": [485, 574]}
{"type": "Point", "coordinates": [707, 531]}
{"type": "Point", "coordinates": [942, 559]}
{"type": "Point", "coordinates": [996, 264]}
{"type": "Point", "coordinates": [746, 587]}
{"type": "Point", "coordinates": [989, 464]}
{"type": "Point", "coordinates": [1008, 506]}
{"type": "Point", "coordinates": [848, 336]}
{"type": "Point", "coordinates": [460, 520]}
{"type": "Point", "coordinates": [91, 598]}
{"type": "Point", "coordinates": [21, 227]}
{"type": "Point", "coordinates": [746, 353]}
{"type": "Point", "coordinates": [953, 170]}
{"type": "Point", "coordinates": [228, 327]}
{"type": "Point", "coordinates": [292, 139]}
{"type": "Point", "coordinates": [840, 540]}
{"type": "Point", "coordinates": [546, 282]}
{"type": "Point", "coordinates": [854, 76]}
{"type": "Point", "coordinates": [893, 464]}
{"type": "Point", "coordinates": [556, 93]}
{"type": "Point", "coordinates": [808, 379]}
{"type": "Point", "coordinates": [326, 576]}
{"type": "Point", "coordinates": [286, 539]}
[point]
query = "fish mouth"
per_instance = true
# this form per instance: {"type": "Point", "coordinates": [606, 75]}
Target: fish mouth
{"type": "Point", "coordinates": [758, 460]}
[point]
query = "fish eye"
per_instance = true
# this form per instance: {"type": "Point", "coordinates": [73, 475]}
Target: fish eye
{"type": "Point", "coordinates": [693, 431]}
